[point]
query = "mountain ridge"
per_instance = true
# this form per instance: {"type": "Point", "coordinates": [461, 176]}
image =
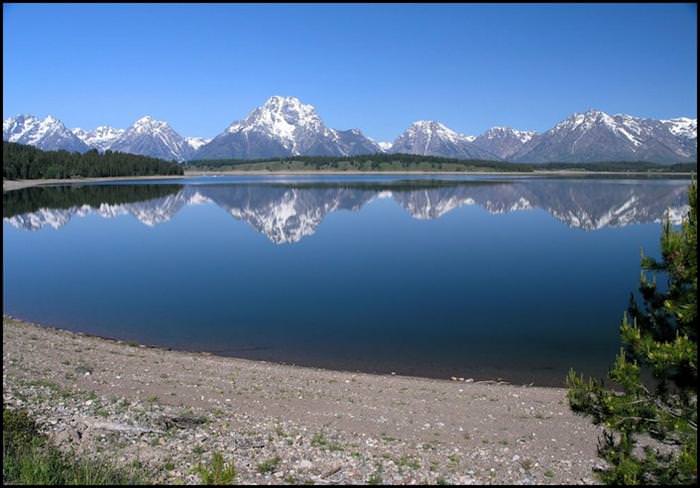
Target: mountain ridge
{"type": "Point", "coordinates": [286, 127]}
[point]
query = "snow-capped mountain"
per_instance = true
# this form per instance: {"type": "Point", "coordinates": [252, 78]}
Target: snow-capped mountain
{"type": "Point", "coordinates": [165, 139]}
{"type": "Point", "coordinates": [101, 138]}
{"type": "Point", "coordinates": [197, 142]}
{"type": "Point", "coordinates": [597, 136]}
{"type": "Point", "coordinates": [284, 126]}
{"type": "Point", "coordinates": [155, 138]}
{"type": "Point", "coordinates": [431, 138]}
{"type": "Point", "coordinates": [354, 142]}
{"type": "Point", "coordinates": [682, 127]}
{"type": "Point", "coordinates": [504, 141]}
{"type": "Point", "coordinates": [593, 136]}
{"type": "Point", "coordinates": [385, 146]}
{"type": "Point", "coordinates": [48, 134]}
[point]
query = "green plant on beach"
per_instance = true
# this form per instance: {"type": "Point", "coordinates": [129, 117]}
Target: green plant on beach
{"type": "Point", "coordinates": [269, 465]}
{"type": "Point", "coordinates": [29, 459]}
{"type": "Point", "coordinates": [217, 472]}
{"type": "Point", "coordinates": [376, 477]}
{"type": "Point", "coordinates": [660, 339]}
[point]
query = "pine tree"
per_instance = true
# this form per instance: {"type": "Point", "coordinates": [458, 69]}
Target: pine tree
{"type": "Point", "coordinates": [649, 414]}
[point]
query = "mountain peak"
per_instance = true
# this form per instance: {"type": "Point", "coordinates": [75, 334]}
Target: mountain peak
{"type": "Point", "coordinates": [147, 120]}
{"type": "Point", "coordinates": [285, 126]}
{"type": "Point", "coordinates": [148, 124]}
{"type": "Point", "coordinates": [48, 133]}
{"type": "Point", "coordinates": [155, 138]}
{"type": "Point", "coordinates": [385, 146]}
{"type": "Point", "coordinates": [682, 126]}
{"type": "Point", "coordinates": [289, 108]}
{"type": "Point", "coordinates": [438, 129]}
{"type": "Point", "coordinates": [196, 142]}
{"type": "Point", "coordinates": [499, 130]}
{"type": "Point", "coordinates": [504, 132]}
{"type": "Point", "coordinates": [594, 114]}
{"type": "Point", "coordinates": [51, 120]}
{"type": "Point", "coordinates": [278, 100]}
{"type": "Point", "coordinates": [284, 119]}
{"type": "Point", "coordinates": [504, 142]}
{"type": "Point", "coordinates": [429, 125]}
{"type": "Point", "coordinates": [433, 138]}
{"type": "Point", "coordinates": [101, 138]}
{"type": "Point", "coordinates": [585, 120]}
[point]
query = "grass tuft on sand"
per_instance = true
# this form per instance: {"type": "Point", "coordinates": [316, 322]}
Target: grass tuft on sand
{"type": "Point", "coordinates": [29, 459]}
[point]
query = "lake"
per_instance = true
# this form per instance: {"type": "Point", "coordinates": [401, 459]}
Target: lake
{"type": "Point", "coordinates": [518, 278]}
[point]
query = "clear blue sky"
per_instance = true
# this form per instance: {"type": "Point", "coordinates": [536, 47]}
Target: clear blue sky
{"type": "Point", "coordinates": [375, 67]}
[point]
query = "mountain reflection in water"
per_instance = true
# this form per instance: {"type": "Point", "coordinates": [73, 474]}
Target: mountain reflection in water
{"type": "Point", "coordinates": [288, 212]}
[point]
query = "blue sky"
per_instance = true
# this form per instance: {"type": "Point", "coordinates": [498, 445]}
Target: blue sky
{"type": "Point", "coordinates": [375, 67]}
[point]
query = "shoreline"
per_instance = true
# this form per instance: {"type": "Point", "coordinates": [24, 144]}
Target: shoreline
{"type": "Point", "coordinates": [323, 426]}
{"type": "Point", "coordinates": [457, 173]}
{"type": "Point", "coordinates": [167, 349]}
{"type": "Point", "coordinates": [10, 185]}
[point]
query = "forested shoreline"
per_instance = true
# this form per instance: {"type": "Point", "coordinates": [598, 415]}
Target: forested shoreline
{"type": "Point", "coordinates": [23, 162]}
{"type": "Point", "coordinates": [414, 162]}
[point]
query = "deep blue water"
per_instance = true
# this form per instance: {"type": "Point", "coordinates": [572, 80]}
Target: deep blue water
{"type": "Point", "coordinates": [517, 278]}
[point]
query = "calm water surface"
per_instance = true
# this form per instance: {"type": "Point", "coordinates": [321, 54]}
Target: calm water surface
{"type": "Point", "coordinates": [517, 278]}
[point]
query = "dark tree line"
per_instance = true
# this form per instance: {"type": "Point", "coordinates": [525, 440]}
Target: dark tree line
{"type": "Point", "coordinates": [20, 161]}
{"type": "Point", "coordinates": [393, 162]}
{"type": "Point", "coordinates": [27, 162]}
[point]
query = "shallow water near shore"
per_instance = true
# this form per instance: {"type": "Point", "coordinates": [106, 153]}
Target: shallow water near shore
{"type": "Point", "coordinates": [518, 278]}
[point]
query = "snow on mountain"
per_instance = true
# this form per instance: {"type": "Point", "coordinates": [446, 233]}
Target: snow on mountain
{"type": "Point", "coordinates": [48, 134]}
{"type": "Point", "coordinates": [597, 136]}
{"type": "Point", "coordinates": [101, 138]}
{"type": "Point", "coordinates": [384, 146]}
{"type": "Point", "coordinates": [104, 137]}
{"type": "Point", "coordinates": [683, 127]}
{"type": "Point", "coordinates": [197, 142]}
{"type": "Point", "coordinates": [282, 127]}
{"type": "Point", "coordinates": [431, 138]}
{"type": "Point", "coordinates": [504, 141]}
{"type": "Point", "coordinates": [285, 119]}
{"type": "Point", "coordinates": [154, 138]}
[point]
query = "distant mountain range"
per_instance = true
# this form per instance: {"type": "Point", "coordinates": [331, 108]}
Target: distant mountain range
{"type": "Point", "coordinates": [285, 127]}
{"type": "Point", "coordinates": [288, 214]}
{"type": "Point", "coordinates": [147, 137]}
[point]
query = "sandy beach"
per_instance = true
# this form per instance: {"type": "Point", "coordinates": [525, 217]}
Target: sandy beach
{"type": "Point", "coordinates": [173, 410]}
